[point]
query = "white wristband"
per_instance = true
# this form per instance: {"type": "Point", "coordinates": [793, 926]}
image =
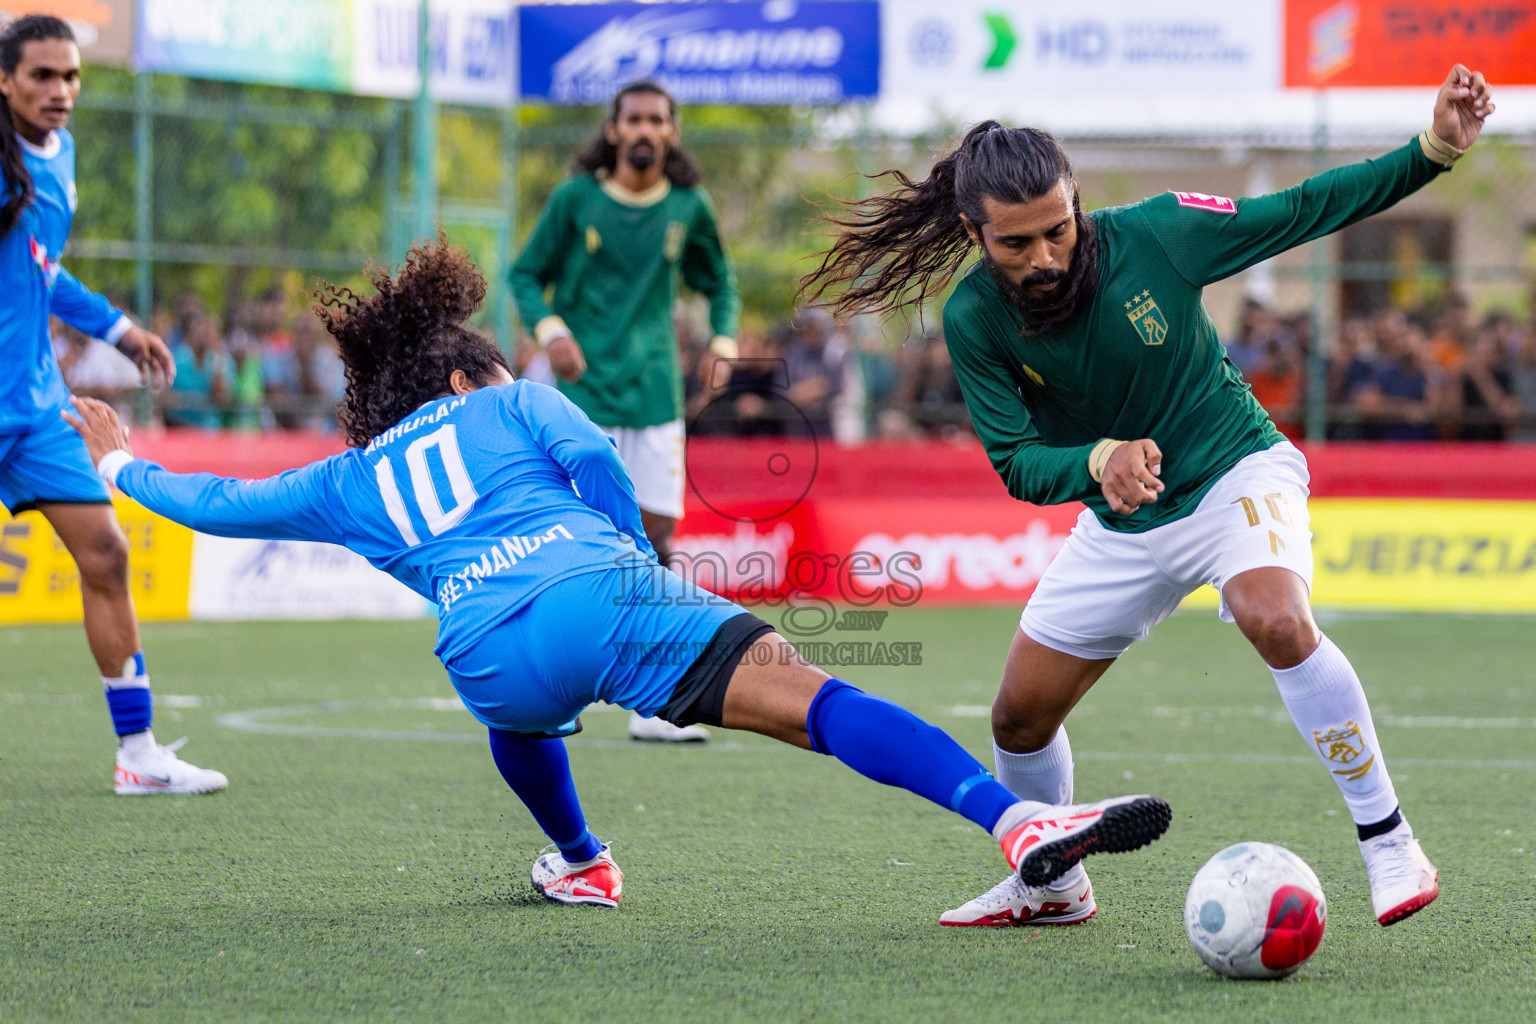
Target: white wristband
{"type": "Point", "coordinates": [112, 464]}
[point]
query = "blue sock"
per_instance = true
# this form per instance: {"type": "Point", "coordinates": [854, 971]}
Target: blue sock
{"type": "Point", "coordinates": [540, 774]}
{"type": "Point", "coordinates": [128, 697]}
{"type": "Point", "coordinates": [890, 744]}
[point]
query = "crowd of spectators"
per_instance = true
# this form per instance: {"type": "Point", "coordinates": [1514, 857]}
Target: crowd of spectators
{"type": "Point", "coordinates": [1392, 376]}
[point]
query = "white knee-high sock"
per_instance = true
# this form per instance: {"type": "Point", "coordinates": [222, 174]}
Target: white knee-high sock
{"type": "Point", "coordinates": [1044, 775]}
{"type": "Point", "coordinates": [1327, 703]}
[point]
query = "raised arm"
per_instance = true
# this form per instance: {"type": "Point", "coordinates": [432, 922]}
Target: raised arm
{"type": "Point", "coordinates": [587, 455]}
{"type": "Point", "coordinates": [295, 505]}
{"type": "Point", "coordinates": [708, 271]}
{"type": "Point", "coordinates": [91, 314]}
{"type": "Point", "coordinates": [1208, 238]}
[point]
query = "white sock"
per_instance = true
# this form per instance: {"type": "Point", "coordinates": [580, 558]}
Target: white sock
{"type": "Point", "coordinates": [136, 743]}
{"type": "Point", "coordinates": [1327, 703]}
{"type": "Point", "coordinates": [1044, 775]}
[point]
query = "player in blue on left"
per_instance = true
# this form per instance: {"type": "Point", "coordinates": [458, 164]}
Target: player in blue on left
{"type": "Point", "coordinates": [503, 502]}
{"type": "Point", "coordinates": [43, 463]}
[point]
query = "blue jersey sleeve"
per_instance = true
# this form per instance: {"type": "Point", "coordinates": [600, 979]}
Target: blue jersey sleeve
{"type": "Point", "coordinates": [86, 311]}
{"type": "Point", "coordinates": [587, 455]}
{"type": "Point", "coordinates": [295, 505]}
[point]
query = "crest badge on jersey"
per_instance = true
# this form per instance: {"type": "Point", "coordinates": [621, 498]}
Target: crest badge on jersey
{"type": "Point", "coordinates": [48, 267]}
{"type": "Point", "coordinates": [1148, 320]}
{"type": "Point", "coordinates": [672, 248]}
{"type": "Point", "coordinates": [1202, 201]}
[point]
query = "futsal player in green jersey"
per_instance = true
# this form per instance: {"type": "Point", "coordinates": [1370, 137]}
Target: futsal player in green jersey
{"type": "Point", "coordinates": [612, 245]}
{"type": "Point", "coordinates": [1093, 373]}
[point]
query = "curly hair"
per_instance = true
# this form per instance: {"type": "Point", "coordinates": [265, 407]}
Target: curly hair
{"type": "Point", "coordinates": [401, 345]}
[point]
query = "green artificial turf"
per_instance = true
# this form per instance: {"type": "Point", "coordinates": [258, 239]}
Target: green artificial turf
{"type": "Point", "coordinates": [359, 869]}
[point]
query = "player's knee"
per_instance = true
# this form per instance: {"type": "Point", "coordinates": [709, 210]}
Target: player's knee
{"type": "Point", "coordinates": [1283, 635]}
{"type": "Point", "coordinates": [1021, 729]}
{"type": "Point", "coordinates": [103, 561]}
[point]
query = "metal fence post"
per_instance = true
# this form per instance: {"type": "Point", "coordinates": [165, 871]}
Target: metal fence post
{"type": "Point", "coordinates": [1317, 358]}
{"type": "Point", "coordinates": [143, 195]}
{"type": "Point", "coordinates": [425, 143]}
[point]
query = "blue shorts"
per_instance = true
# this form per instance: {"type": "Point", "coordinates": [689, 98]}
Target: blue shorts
{"type": "Point", "coordinates": [47, 465]}
{"type": "Point", "coordinates": [575, 644]}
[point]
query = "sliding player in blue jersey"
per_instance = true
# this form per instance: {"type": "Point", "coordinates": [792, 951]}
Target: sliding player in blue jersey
{"type": "Point", "coordinates": [43, 465]}
{"type": "Point", "coordinates": [501, 501]}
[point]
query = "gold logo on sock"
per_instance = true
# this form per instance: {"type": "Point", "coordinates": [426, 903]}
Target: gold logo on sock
{"type": "Point", "coordinates": [1344, 745]}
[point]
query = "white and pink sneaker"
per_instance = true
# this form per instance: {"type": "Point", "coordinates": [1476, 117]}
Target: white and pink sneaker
{"type": "Point", "coordinates": [1043, 842]}
{"type": "Point", "coordinates": [597, 882]}
{"type": "Point", "coordinates": [146, 769]}
{"type": "Point", "coordinates": [1403, 881]}
{"type": "Point", "coordinates": [1068, 900]}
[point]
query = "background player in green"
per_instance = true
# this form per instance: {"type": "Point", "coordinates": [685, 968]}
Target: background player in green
{"type": "Point", "coordinates": [1093, 373]}
{"type": "Point", "coordinates": [614, 241]}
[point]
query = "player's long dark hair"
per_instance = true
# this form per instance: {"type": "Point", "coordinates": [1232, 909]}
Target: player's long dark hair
{"type": "Point", "coordinates": [402, 344]}
{"type": "Point", "coordinates": [901, 248]}
{"type": "Point", "coordinates": [19, 192]}
{"type": "Point", "coordinates": [602, 155]}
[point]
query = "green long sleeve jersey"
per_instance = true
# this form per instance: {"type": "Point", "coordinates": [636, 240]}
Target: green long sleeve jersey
{"type": "Point", "coordinates": [615, 259]}
{"type": "Point", "coordinates": [1141, 359]}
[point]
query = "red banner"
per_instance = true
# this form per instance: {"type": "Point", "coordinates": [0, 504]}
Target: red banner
{"type": "Point", "coordinates": [1370, 43]}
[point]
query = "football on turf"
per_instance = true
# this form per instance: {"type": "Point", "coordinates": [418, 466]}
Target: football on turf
{"type": "Point", "coordinates": [1255, 911]}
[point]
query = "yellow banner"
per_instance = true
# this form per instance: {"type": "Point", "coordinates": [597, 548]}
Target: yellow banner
{"type": "Point", "coordinates": [39, 581]}
{"type": "Point", "coordinates": [1420, 554]}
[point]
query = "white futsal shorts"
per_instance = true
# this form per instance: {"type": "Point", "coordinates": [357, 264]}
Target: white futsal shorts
{"type": "Point", "coordinates": [654, 458]}
{"type": "Point", "coordinates": [1105, 590]}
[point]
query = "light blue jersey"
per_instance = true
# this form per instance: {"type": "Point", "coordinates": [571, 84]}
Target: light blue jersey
{"type": "Point", "coordinates": [34, 284]}
{"type": "Point", "coordinates": [478, 502]}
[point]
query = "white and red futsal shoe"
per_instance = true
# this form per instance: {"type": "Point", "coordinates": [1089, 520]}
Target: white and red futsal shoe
{"type": "Point", "coordinates": [155, 769]}
{"type": "Point", "coordinates": [1403, 881]}
{"type": "Point", "coordinates": [1068, 900]}
{"type": "Point", "coordinates": [597, 882]}
{"type": "Point", "coordinates": [1043, 842]}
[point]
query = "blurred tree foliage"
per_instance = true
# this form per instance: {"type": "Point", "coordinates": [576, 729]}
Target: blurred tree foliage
{"type": "Point", "coordinates": [281, 178]}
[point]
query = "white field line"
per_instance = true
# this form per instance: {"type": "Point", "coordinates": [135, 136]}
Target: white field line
{"type": "Point", "coordinates": [267, 720]}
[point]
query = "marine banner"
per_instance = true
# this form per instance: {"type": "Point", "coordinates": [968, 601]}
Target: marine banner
{"type": "Point", "coordinates": [773, 51]}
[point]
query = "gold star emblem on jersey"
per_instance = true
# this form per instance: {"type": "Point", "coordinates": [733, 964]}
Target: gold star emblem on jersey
{"type": "Point", "coordinates": [594, 240]}
{"type": "Point", "coordinates": [1032, 375]}
{"type": "Point", "coordinates": [1148, 320]}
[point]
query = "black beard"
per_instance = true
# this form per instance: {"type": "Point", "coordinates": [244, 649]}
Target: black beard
{"type": "Point", "coordinates": [1046, 311]}
{"type": "Point", "coordinates": [640, 159]}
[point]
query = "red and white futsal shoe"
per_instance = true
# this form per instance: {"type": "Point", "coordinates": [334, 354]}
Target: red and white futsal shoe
{"type": "Point", "coordinates": [1043, 842]}
{"type": "Point", "coordinates": [598, 881]}
{"type": "Point", "coordinates": [1068, 900]}
{"type": "Point", "coordinates": [1403, 881]}
{"type": "Point", "coordinates": [157, 770]}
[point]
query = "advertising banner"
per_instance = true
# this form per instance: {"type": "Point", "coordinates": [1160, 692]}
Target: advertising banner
{"type": "Point", "coordinates": [39, 581]}
{"type": "Point", "coordinates": [103, 28]}
{"type": "Point", "coordinates": [1372, 43]}
{"type": "Point", "coordinates": [981, 49]}
{"type": "Point", "coordinates": [361, 46]}
{"type": "Point", "coordinates": [776, 51]}
{"type": "Point", "coordinates": [280, 579]}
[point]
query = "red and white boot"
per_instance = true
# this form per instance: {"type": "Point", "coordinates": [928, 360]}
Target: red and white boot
{"type": "Point", "coordinates": [1043, 842]}
{"type": "Point", "coordinates": [597, 882]}
{"type": "Point", "coordinates": [1403, 881]}
{"type": "Point", "coordinates": [1068, 900]}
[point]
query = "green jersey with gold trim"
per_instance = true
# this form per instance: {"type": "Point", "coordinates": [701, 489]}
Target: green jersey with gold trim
{"type": "Point", "coordinates": [615, 259]}
{"type": "Point", "coordinates": [1141, 359]}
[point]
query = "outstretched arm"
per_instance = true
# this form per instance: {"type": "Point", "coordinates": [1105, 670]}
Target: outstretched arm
{"type": "Point", "coordinates": [585, 453]}
{"type": "Point", "coordinates": [290, 506]}
{"type": "Point", "coordinates": [91, 314]}
{"type": "Point", "coordinates": [1208, 238]}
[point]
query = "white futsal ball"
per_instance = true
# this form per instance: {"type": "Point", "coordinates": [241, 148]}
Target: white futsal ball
{"type": "Point", "coordinates": [1255, 911]}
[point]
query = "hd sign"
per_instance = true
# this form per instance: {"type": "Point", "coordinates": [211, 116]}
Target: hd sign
{"type": "Point", "coordinates": [778, 51]}
{"type": "Point", "coordinates": [979, 49]}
